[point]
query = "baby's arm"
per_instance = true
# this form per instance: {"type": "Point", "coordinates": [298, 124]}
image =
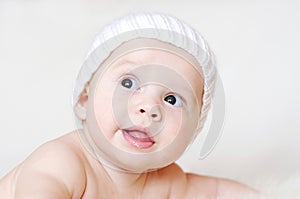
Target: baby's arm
{"type": "Point", "coordinates": [40, 184]}
{"type": "Point", "coordinates": [196, 186]}
{"type": "Point", "coordinates": [222, 188]}
{"type": "Point", "coordinates": [52, 171]}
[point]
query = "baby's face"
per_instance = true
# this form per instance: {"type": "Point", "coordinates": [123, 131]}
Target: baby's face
{"type": "Point", "coordinates": [145, 102]}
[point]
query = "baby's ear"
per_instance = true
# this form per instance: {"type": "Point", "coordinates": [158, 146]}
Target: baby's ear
{"type": "Point", "coordinates": [80, 107]}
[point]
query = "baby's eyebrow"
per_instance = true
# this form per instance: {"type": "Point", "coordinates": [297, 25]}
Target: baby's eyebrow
{"type": "Point", "coordinates": [123, 62]}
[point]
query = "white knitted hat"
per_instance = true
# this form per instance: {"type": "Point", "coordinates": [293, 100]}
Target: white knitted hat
{"type": "Point", "coordinates": [155, 26]}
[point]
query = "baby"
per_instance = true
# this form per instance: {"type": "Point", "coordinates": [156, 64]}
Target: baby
{"type": "Point", "coordinates": [140, 99]}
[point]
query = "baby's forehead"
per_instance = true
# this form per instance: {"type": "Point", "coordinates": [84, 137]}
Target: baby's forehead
{"type": "Point", "coordinates": [143, 51]}
{"type": "Point", "coordinates": [145, 56]}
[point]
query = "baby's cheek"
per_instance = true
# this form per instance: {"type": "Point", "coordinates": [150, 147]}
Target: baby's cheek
{"type": "Point", "coordinates": [174, 122]}
{"type": "Point", "coordinates": [174, 129]}
{"type": "Point", "coordinates": [190, 122]}
{"type": "Point", "coordinates": [104, 114]}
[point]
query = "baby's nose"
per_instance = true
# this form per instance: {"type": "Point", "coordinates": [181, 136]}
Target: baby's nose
{"type": "Point", "coordinates": [154, 112]}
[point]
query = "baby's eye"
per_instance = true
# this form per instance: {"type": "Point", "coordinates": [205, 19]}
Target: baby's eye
{"type": "Point", "coordinates": [129, 83]}
{"type": "Point", "coordinates": [173, 99]}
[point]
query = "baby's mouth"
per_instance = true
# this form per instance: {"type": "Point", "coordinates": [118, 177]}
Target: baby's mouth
{"type": "Point", "coordinates": [138, 137]}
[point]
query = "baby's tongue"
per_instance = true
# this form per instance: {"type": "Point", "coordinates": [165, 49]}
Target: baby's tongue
{"type": "Point", "coordinates": [138, 139]}
{"type": "Point", "coordinates": [139, 135]}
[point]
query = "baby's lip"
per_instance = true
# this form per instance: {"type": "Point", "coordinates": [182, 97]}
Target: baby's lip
{"type": "Point", "coordinates": [138, 137]}
{"type": "Point", "coordinates": [139, 132]}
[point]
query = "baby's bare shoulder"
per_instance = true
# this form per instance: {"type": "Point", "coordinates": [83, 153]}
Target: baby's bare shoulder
{"type": "Point", "coordinates": [62, 152]}
{"type": "Point", "coordinates": [188, 185]}
{"type": "Point", "coordinates": [58, 162]}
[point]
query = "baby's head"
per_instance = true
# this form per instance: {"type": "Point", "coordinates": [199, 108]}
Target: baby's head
{"type": "Point", "coordinates": [143, 92]}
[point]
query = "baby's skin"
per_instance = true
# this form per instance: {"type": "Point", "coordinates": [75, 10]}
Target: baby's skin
{"type": "Point", "coordinates": [64, 168]}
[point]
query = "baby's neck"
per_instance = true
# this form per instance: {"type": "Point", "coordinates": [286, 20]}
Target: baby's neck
{"type": "Point", "coordinates": [125, 181]}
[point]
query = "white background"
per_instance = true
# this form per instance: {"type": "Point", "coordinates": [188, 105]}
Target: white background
{"type": "Point", "coordinates": [43, 44]}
